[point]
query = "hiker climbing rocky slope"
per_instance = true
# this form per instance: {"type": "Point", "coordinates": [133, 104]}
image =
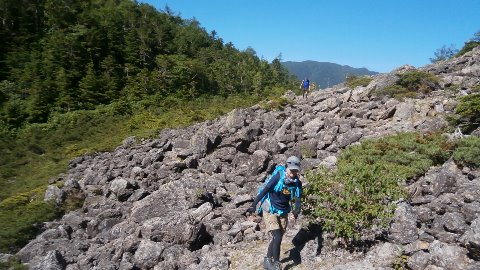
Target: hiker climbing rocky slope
{"type": "Point", "coordinates": [178, 201]}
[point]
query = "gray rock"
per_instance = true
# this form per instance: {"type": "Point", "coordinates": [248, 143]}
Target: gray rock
{"type": "Point", "coordinates": [404, 228]}
{"type": "Point", "coordinates": [404, 111]}
{"type": "Point", "coordinates": [384, 255]}
{"type": "Point", "coordinates": [5, 257]}
{"type": "Point", "coordinates": [52, 261]}
{"type": "Point", "coordinates": [311, 128]}
{"type": "Point", "coordinates": [348, 138]}
{"type": "Point", "coordinates": [54, 193]}
{"type": "Point", "coordinates": [148, 254]}
{"type": "Point", "coordinates": [449, 257]}
{"type": "Point", "coordinates": [471, 240]}
{"type": "Point", "coordinates": [420, 260]}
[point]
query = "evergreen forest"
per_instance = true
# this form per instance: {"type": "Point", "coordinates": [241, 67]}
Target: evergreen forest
{"type": "Point", "coordinates": [78, 77]}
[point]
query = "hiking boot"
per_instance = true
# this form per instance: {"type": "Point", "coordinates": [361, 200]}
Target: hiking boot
{"type": "Point", "coordinates": [267, 263]}
{"type": "Point", "coordinates": [276, 266]}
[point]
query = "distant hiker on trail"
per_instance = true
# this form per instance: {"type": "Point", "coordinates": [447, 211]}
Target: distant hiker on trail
{"type": "Point", "coordinates": [306, 86]}
{"type": "Point", "coordinates": [313, 86]}
{"type": "Point", "coordinates": [280, 195]}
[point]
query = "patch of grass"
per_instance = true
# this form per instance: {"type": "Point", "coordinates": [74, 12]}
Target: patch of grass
{"type": "Point", "coordinates": [276, 104]}
{"type": "Point", "coordinates": [19, 215]}
{"type": "Point", "coordinates": [13, 264]}
{"type": "Point", "coordinates": [468, 112]}
{"type": "Point", "coordinates": [353, 81]}
{"type": "Point", "coordinates": [410, 84]}
{"type": "Point", "coordinates": [467, 152]}
{"type": "Point", "coordinates": [361, 194]}
{"type": "Point", "coordinates": [468, 47]}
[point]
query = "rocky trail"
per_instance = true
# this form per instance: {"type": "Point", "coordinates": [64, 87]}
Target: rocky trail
{"type": "Point", "coordinates": [178, 201]}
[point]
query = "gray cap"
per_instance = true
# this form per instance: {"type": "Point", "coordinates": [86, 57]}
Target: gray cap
{"type": "Point", "coordinates": [293, 163]}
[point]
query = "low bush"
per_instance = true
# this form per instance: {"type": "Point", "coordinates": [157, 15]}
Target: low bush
{"type": "Point", "coordinates": [468, 47]}
{"type": "Point", "coordinates": [410, 84]}
{"type": "Point", "coordinates": [276, 104]}
{"type": "Point", "coordinates": [467, 152]}
{"type": "Point", "coordinates": [353, 81]}
{"type": "Point", "coordinates": [468, 112]}
{"type": "Point", "coordinates": [20, 216]}
{"type": "Point", "coordinates": [360, 195]}
{"type": "Point", "coordinates": [396, 91]}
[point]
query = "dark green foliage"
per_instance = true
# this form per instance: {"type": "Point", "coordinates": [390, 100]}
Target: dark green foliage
{"type": "Point", "coordinates": [353, 81]}
{"type": "Point", "coordinates": [418, 81]}
{"type": "Point", "coordinates": [467, 152]}
{"type": "Point", "coordinates": [360, 195]}
{"type": "Point", "coordinates": [19, 214]}
{"type": "Point", "coordinates": [444, 53]}
{"type": "Point", "coordinates": [468, 111]}
{"type": "Point", "coordinates": [410, 84]}
{"type": "Point", "coordinates": [468, 47]}
{"type": "Point", "coordinates": [13, 264]}
{"type": "Point", "coordinates": [80, 55]}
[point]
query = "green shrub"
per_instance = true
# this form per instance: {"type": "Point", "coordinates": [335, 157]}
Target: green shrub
{"type": "Point", "coordinates": [418, 81]}
{"type": "Point", "coordinates": [476, 88]}
{"type": "Point", "coordinates": [467, 152]}
{"type": "Point", "coordinates": [276, 104]}
{"type": "Point", "coordinates": [468, 47]}
{"type": "Point", "coordinates": [468, 111]}
{"type": "Point", "coordinates": [396, 91]}
{"type": "Point", "coordinates": [353, 81]}
{"type": "Point", "coordinates": [410, 84]}
{"type": "Point", "coordinates": [361, 194]}
{"type": "Point", "coordinates": [18, 223]}
{"type": "Point", "coordinates": [14, 264]}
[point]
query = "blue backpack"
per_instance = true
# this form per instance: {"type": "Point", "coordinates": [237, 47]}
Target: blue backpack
{"type": "Point", "coordinates": [278, 188]}
{"type": "Point", "coordinates": [306, 84]}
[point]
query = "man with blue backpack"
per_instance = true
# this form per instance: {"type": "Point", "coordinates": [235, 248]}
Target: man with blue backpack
{"type": "Point", "coordinates": [279, 195]}
{"type": "Point", "coordinates": [306, 86]}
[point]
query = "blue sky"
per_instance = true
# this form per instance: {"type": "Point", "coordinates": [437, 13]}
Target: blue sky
{"type": "Point", "coordinates": [380, 35]}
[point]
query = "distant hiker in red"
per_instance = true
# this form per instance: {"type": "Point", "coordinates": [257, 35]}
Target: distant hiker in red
{"type": "Point", "coordinates": [306, 86]}
{"type": "Point", "coordinates": [279, 195]}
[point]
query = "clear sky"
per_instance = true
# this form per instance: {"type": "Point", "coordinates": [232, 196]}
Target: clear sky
{"type": "Point", "coordinates": [380, 35]}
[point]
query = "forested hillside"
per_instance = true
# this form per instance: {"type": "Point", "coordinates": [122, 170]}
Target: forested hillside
{"type": "Point", "coordinates": [77, 77]}
{"type": "Point", "coordinates": [59, 56]}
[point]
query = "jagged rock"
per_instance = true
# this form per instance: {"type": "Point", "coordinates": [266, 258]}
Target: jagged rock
{"type": "Point", "coordinates": [52, 261]}
{"type": "Point", "coordinates": [54, 193]}
{"type": "Point", "coordinates": [215, 260]}
{"type": "Point", "coordinates": [404, 111]}
{"type": "Point", "coordinates": [420, 260]}
{"type": "Point", "coordinates": [311, 128]}
{"type": "Point", "coordinates": [449, 257]}
{"type": "Point", "coordinates": [384, 255]}
{"type": "Point", "coordinates": [404, 229]}
{"type": "Point", "coordinates": [148, 254]}
{"type": "Point", "coordinates": [471, 240]}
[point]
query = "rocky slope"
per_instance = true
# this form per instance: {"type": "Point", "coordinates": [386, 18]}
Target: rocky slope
{"type": "Point", "coordinates": [178, 201]}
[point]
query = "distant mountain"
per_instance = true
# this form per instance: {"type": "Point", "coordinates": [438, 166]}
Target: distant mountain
{"type": "Point", "coordinates": [324, 74]}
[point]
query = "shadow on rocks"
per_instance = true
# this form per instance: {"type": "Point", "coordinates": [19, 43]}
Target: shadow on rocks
{"type": "Point", "coordinates": [304, 235]}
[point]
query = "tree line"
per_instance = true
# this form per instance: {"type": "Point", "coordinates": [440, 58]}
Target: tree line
{"type": "Point", "coordinates": [61, 56]}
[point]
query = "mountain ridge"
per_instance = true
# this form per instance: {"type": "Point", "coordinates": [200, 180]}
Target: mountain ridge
{"type": "Point", "coordinates": [324, 74]}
